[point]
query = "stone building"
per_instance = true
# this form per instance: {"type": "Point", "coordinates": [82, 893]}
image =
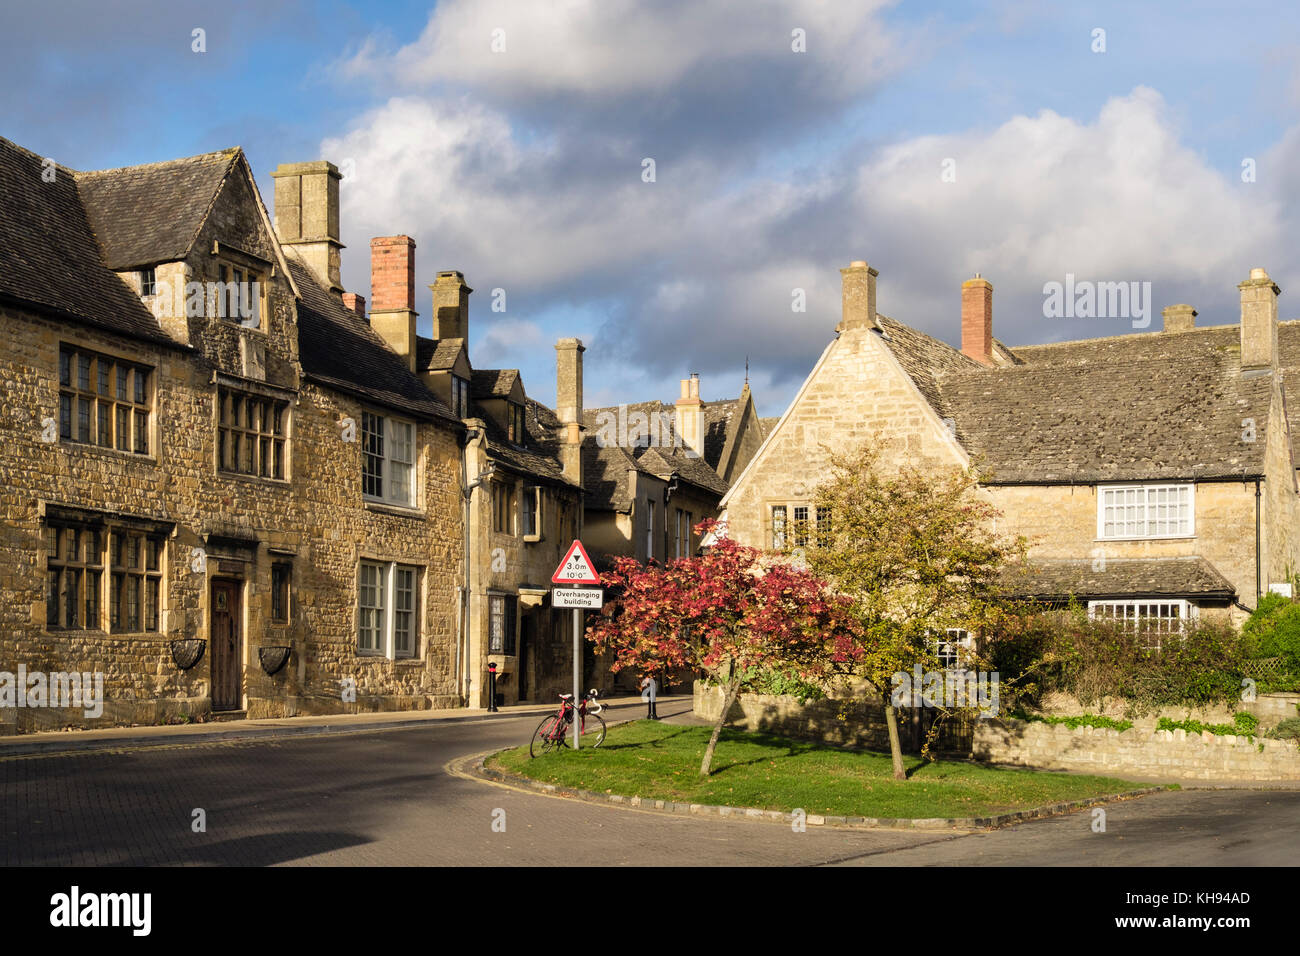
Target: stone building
{"type": "Point", "coordinates": [1153, 474]}
{"type": "Point", "coordinates": [228, 491]}
{"type": "Point", "coordinates": [522, 468]}
{"type": "Point", "coordinates": [654, 471]}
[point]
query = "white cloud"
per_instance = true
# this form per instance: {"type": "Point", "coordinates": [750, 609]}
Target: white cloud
{"type": "Point", "coordinates": [614, 47]}
{"type": "Point", "coordinates": [708, 263]}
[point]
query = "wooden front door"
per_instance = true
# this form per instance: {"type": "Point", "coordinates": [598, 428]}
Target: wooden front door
{"type": "Point", "coordinates": [227, 646]}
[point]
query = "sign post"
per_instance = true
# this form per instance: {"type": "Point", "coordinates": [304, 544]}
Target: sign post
{"type": "Point", "coordinates": [575, 568]}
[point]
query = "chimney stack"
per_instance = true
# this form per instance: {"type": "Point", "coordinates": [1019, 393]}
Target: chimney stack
{"type": "Point", "coordinates": [977, 319]}
{"type": "Point", "coordinates": [392, 293]}
{"type": "Point", "coordinates": [1179, 318]}
{"type": "Point", "coordinates": [858, 284]}
{"type": "Point", "coordinates": [357, 303]}
{"type": "Point", "coordinates": [689, 411]}
{"type": "Point", "coordinates": [568, 405]}
{"type": "Point", "coordinates": [450, 306]}
{"type": "Point", "coordinates": [307, 217]}
{"type": "Point", "coordinates": [1258, 321]}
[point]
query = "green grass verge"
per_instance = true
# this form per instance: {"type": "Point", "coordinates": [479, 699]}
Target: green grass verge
{"type": "Point", "coordinates": [660, 761]}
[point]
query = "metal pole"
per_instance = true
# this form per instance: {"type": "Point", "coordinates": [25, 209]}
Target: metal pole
{"type": "Point", "coordinates": [577, 671]}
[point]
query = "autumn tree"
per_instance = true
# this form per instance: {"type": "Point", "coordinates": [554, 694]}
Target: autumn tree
{"type": "Point", "coordinates": [916, 552]}
{"type": "Point", "coordinates": [724, 613]}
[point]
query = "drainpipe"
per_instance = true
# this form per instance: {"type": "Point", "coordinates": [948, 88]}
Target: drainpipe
{"type": "Point", "coordinates": [1259, 583]}
{"type": "Point", "coordinates": [462, 636]}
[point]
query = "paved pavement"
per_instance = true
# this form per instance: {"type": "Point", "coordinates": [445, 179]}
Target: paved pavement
{"type": "Point", "coordinates": [384, 797]}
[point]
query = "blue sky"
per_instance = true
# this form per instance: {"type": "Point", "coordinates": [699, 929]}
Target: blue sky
{"type": "Point", "coordinates": [774, 168]}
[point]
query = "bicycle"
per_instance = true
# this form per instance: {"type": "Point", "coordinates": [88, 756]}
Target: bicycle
{"type": "Point", "coordinates": [556, 730]}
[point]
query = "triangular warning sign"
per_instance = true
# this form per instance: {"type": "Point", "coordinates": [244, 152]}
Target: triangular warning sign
{"type": "Point", "coordinates": [575, 568]}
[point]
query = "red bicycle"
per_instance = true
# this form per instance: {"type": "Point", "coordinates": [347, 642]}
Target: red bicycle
{"type": "Point", "coordinates": [556, 731]}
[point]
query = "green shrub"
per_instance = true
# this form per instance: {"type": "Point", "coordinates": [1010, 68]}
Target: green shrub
{"type": "Point", "coordinates": [1273, 630]}
{"type": "Point", "coordinates": [1080, 720]}
{"type": "Point", "coordinates": [1097, 659]}
{"type": "Point", "coordinates": [1288, 729]}
{"type": "Point", "coordinates": [1243, 725]}
{"type": "Point", "coordinates": [776, 682]}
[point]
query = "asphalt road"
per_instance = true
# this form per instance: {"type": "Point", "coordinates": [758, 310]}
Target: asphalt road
{"type": "Point", "coordinates": [385, 798]}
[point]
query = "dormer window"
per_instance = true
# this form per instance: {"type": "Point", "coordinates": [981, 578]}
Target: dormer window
{"type": "Point", "coordinates": [148, 282]}
{"type": "Point", "coordinates": [517, 423]}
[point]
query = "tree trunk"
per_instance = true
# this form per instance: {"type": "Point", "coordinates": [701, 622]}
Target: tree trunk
{"type": "Point", "coordinates": [733, 688]}
{"type": "Point", "coordinates": [895, 747]}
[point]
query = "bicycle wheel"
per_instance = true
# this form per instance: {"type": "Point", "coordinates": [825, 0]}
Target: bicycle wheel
{"type": "Point", "coordinates": [544, 738]}
{"type": "Point", "coordinates": [592, 734]}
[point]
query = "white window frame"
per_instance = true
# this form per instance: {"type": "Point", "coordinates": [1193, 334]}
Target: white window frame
{"type": "Point", "coordinates": [955, 640]}
{"type": "Point", "coordinates": [390, 444]}
{"type": "Point", "coordinates": [1187, 615]}
{"type": "Point", "coordinates": [531, 493]}
{"type": "Point", "coordinates": [1145, 494]}
{"type": "Point", "coordinates": [386, 584]}
{"type": "Point", "coordinates": [650, 530]}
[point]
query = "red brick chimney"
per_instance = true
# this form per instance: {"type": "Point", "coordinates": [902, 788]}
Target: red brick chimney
{"type": "Point", "coordinates": [357, 303]}
{"type": "Point", "coordinates": [392, 293]}
{"type": "Point", "coordinates": [977, 319]}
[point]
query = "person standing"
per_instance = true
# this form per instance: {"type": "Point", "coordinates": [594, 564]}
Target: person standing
{"type": "Point", "coordinates": [649, 689]}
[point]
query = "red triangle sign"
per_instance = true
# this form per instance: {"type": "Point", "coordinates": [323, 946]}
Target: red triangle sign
{"type": "Point", "coordinates": [575, 568]}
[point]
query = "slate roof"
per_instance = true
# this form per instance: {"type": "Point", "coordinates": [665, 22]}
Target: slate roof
{"type": "Point", "coordinates": [1127, 408]}
{"type": "Point", "coordinates": [1057, 580]}
{"type": "Point", "coordinates": [340, 350]}
{"type": "Point", "coordinates": [143, 215]}
{"type": "Point", "coordinates": [436, 355]}
{"type": "Point", "coordinates": [49, 259]}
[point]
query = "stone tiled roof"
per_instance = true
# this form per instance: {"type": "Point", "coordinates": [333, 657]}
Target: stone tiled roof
{"type": "Point", "coordinates": [768, 425]}
{"type": "Point", "coordinates": [1086, 578]}
{"type": "Point", "coordinates": [142, 215]}
{"type": "Point", "coordinates": [539, 456]}
{"type": "Point", "coordinates": [436, 355]}
{"type": "Point", "coordinates": [340, 350]}
{"type": "Point", "coordinates": [717, 427]}
{"type": "Point", "coordinates": [1135, 407]}
{"type": "Point", "coordinates": [493, 382]}
{"type": "Point", "coordinates": [605, 470]}
{"type": "Point", "coordinates": [49, 259]}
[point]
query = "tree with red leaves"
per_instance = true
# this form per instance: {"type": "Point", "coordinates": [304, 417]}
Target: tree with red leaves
{"type": "Point", "coordinates": [725, 613]}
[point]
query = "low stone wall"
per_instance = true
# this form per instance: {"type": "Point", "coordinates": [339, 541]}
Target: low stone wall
{"type": "Point", "coordinates": [1137, 751]}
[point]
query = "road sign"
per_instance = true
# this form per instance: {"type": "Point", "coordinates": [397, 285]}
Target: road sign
{"type": "Point", "coordinates": [593, 598]}
{"type": "Point", "coordinates": [575, 568]}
